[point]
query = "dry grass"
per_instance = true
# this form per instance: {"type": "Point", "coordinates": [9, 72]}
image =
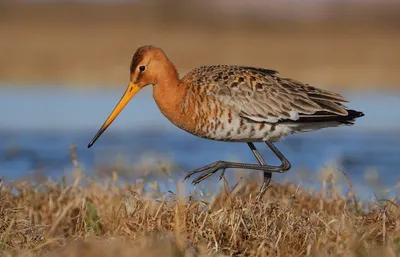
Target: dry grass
{"type": "Point", "coordinates": [88, 218]}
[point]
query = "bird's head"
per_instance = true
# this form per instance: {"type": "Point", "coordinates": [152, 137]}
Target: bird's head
{"type": "Point", "coordinates": [149, 66]}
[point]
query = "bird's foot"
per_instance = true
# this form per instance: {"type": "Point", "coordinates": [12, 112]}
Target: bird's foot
{"type": "Point", "coordinates": [264, 186]}
{"type": "Point", "coordinates": [208, 170]}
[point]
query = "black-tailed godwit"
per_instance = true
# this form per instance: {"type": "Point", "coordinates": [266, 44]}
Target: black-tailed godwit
{"type": "Point", "coordinates": [234, 104]}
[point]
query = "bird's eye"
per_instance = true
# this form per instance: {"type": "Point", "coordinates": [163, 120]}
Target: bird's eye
{"type": "Point", "coordinates": [142, 68]}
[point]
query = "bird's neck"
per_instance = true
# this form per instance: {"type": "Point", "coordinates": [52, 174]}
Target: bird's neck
{"type": "Point", "coordinates": [169, 95]}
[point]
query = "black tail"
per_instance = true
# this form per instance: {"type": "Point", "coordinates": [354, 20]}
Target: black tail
{"type": "Point", "coordinates": [353, 114]}
{"type": "Point", "coordinates": [327, 116]}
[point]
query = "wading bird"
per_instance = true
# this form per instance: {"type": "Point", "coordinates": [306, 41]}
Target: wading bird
{"type": "Point", "coordinates": [234, 104]}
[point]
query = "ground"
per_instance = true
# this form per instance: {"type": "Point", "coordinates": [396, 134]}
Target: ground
{"type": "Point", "coordinates": [107, 218]}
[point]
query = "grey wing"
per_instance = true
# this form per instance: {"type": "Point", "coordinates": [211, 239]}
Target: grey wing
{"type": "Point", "coordinates": [260, 95]}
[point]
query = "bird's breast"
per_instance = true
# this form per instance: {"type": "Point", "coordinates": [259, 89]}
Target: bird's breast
{"type": "Point", "coordinates": [207, 117]}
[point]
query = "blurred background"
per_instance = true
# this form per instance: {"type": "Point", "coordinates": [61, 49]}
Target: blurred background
{"type": "Point", "coordinates": [65, 64]}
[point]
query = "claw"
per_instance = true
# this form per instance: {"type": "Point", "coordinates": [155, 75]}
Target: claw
{"type": "Point", "coordinates": [205, 175]}
{"type": "Point", "coordinates": [186, 177]}
{"type": "Point", "coordinates": [264, 187]}
{"type": "Point", "coordinates": [201, 178]}
{"type": "Point", "coordinates": [209, 166]}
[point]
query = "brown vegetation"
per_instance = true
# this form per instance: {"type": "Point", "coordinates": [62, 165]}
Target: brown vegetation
{"type": "Point", "coordinates": [77, 44]}
{"type": "Point", "coordinates": [88, 218]}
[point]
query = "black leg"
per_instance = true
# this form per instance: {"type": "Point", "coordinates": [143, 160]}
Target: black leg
{"type": "Point", "coordinates": [285, 164]}
{"type": "Point", "coordinates": [267, 174]}
{"type": "Point", "coordinates": [222, 165]}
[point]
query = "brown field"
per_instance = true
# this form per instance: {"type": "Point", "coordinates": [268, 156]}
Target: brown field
{"type": "Point", "coordinates": [353, 47]}
{"type": "Point", "coordinates": [108, 219]}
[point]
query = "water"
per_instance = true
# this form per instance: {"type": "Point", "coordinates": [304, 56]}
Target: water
{"type": "Point", "coordinates": [39, 125]}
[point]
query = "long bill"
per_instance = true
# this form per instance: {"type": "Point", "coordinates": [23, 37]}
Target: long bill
{"type": "Point", "coordinates": [129, 93]}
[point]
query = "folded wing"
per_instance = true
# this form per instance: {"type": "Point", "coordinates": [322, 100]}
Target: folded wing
{"type": "Point", "coordinates": [262, 96]}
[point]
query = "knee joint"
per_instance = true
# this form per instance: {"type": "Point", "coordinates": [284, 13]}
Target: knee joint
{"type": "Point", "coordinates": [286, 166]}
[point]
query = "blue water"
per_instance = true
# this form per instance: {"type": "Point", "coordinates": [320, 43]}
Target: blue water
{"type": "Point", "coordinates": [39, 125]}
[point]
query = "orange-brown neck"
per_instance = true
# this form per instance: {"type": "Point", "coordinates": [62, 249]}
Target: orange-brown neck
{"type": "Point", "coordinates": [169, 94]}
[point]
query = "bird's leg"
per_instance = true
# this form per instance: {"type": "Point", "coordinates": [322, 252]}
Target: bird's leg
{"type": "Point", "coordinates": [267, 174]}
{"type": "Point", "coordinates": [214, 167]}
{"type": "Point", "coordinates": [285, 164]}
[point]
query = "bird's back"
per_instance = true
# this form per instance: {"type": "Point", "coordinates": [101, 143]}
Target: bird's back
{"type": "Point", "coordinates": [239, 103]}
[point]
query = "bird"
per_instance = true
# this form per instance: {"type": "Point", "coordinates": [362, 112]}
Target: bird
{"type": "Point", "coordinates": [233, 103]}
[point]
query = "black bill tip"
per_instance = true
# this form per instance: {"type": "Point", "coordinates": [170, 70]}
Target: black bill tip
{"type": "Point", "coordinates": [98, 134]}
{"type": "Point", "coordinates": [90, 144]}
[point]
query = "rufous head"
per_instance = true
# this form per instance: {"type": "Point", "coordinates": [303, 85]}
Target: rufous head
{"type": "Point", "coordinates": [149, 66]}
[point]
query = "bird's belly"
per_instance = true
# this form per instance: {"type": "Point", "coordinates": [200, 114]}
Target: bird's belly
{"type": "Point", "coordinates": [243, 130]}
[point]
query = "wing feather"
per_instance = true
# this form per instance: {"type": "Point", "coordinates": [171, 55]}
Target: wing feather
{"type": "Point", "coordinates": [262, 96]}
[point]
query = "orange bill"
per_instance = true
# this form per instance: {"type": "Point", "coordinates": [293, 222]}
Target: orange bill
{"type": "Point", "coordinates": [129, 93]}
